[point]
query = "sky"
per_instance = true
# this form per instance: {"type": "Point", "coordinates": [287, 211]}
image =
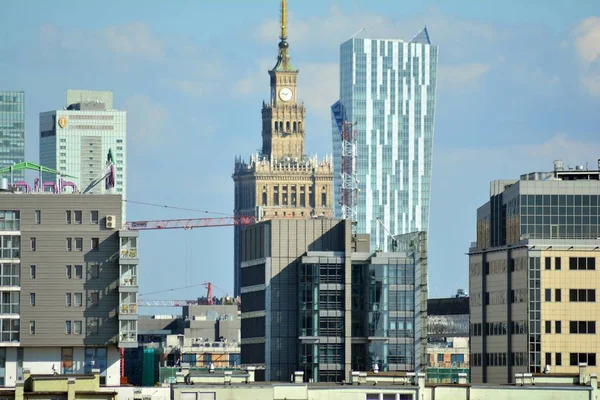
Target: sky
{"type": "Point", "coordinates": [518, 87]}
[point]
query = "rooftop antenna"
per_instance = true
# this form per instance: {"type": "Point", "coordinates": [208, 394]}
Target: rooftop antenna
{"type": "Point", "coordinates": [361, 29]}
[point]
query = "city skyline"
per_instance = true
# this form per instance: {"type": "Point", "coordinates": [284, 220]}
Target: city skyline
{"type": "Point", "coordinates": [498, 94]}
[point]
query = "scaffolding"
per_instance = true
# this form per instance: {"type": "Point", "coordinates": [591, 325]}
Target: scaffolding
{"type": "Point", "coordinates": [349, 186]}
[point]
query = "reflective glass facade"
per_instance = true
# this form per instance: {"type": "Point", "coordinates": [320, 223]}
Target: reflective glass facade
{"type": "Point", "coordinates": [387, 87]}
{"type": "Point", "coordinates": [12, 131]}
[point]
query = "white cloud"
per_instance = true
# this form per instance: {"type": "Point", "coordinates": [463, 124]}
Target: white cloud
{"type": "Point", "coordinates": [587, 45]}
{"type": "Point", "coordinates": [587, 41]}
{"type": "Point", "coordinates": [461, 76]}
{"type": "Point", "coordinates": [134, 39]}
{"type": "Point", "coordinates": [146, 121]}
{"type": "Point", "coordinates": [187, 87]}
{"type": "Point", "coordinates": [540, 156]}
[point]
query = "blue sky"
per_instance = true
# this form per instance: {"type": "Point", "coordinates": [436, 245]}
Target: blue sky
{"type": "Point", "coordinates": [519, 86]}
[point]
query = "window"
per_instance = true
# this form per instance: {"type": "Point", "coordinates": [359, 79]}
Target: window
{"type": "Point", "coordinates": [582, 263]}
{"type": "Point", "coordinates": [69, 244]}
{"type": "Point", "coordinates": [92, 327]}
{"type": "Point", "coordinates": [67, 356]}
{"type": "Point", "coordinates": [78, 244]}
{"type": "Point", "coordinates": [548, 358]}
{"type": "Point", "coordinates": [557, 267]}
{"type": "Point", "coordinates": [557, 327]}
{"type": "Point", "coordinates": [548, 295]}
{"type": "Point", "coordinates": [77, 216]}
{"type": "Point", "coordinates": [68, 272]}
{"type": "Point", "coordinates": [558, 358]}
{"type": "Point", "coordinates": [94, 298]}
{"type": "Point", "coordinates": [32, 271]}
{"type": "Point", "coordinates": [95, 271]}
{"type": "Point", "coordinates": [548, 263]}
{"type": "Point", "coordinates": [582, 327]}
{"type": "Point", "coordinates": [95, 244]}
{"type": "Point", "coordinates": [557, 295]}
{"type": "Point", "coordinates": [32, 327]}
{"type": "Point", "coordinates": [10, 220]}
{"type": "Point", "coordinates": [38, 217]}
{"type": "Point", "coordinates": [77, 327]}
{"type": "Point", "coordinates": [78, 272]}
{"type": "Point", "coordinates": [68, 216]}
{"type": "Point", "coordinates": [582, 295]}
{"type": "Point", "coordinates": [32, 299]}
{"type": "Point", "coordinates": [548, 326]}
{"type": "Point", "coordinates": [94, 217]}
{"type": "Point", "coordinates": [576, 358]}
{"type": "Point", "coordinates": [10, 246]}
{"type": "Point", "coordinates": [68, 299]}
{"type": "Point", "coordinates": [440, 358]}
{"type": "Point", "coordinates": [32, 244]}
{"type": "Point", "coordinates": [10, 274]}
{"type": "Point", "coordinates": [78, 299]}
{"type": "Point", "coordinates": [68, 327]}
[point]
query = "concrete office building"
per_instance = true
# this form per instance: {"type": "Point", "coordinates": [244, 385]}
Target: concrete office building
{"type": "Point", "coordinates": [315, 299]}
{"type": "Point", "coordinates": [387, 89]}
{"type": "Point", "coordinates": [76, 140]}
{"type": "Point", "coordinates": [282, 180]}
{"type": "Point", "coordinates": [12, 131]}
{"type": "Point", "coordinates": [532, 275]}
{"type": "Point", "coordinates": [68, 298]}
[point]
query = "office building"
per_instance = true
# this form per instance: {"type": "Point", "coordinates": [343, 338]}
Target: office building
{"type": "Point", "coordinates": [315, 299]}
{"type": "Point", "coordinates": [12, 131]}
{"type": "Point", "coordinates": [282, 180]}
{"type": "Point", "coordinates": [79, 140]}
{"type": "Point", "coordinates": [202, 336]}
{"type": "Point", "coordinates": [387, 90]}
{"type": "Point", "coordinates": [448, 338]}
{"type": "Point", "coordinates": [69, 285]}
{"type": "Point", "coordinates": [532, 275]}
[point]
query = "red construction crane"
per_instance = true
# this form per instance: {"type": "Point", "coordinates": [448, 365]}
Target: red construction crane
{"type": "Point", "coordinates": [189, 223]}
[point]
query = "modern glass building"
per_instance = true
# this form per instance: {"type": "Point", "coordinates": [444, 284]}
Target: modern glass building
{"type": "Point", "coordinates": [316, 299]}
{"type": "Point", "coordinates": [12, 131]}
{"type": "Point", "coordinates": [77, 140]}
{"type": "Point", "coordinates": [387, 89]}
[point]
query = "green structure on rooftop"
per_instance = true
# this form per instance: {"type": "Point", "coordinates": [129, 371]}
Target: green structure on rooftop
{"type": "Point", "coordinates": [32, 167]}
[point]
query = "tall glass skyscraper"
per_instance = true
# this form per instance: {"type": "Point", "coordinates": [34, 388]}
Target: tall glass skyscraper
{"type": "Point", "coordinates": [387, 89]}
{"type": "Point", "coordinates": [12, 131]}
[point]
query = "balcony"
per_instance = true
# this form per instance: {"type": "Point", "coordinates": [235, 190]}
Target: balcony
{"type": "Point", "coordinates": [128, 308]}
{"type": "Point", "coordinates": [128, 254]}
{"type": "Point", "coordinates": [128, 339]}
{"type": "Point", "coordinates": [128, 281]}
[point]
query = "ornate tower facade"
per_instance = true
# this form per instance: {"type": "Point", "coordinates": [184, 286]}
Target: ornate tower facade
{"type": "Point", "coordinates": [281, 181]}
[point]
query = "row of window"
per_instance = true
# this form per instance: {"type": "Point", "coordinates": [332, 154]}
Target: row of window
{"type": "Point", "coordinates": [78, 242]}
{"type": "Point", "coordinates": [575, 327]}
{"type": "Point", "coordinates": [520, 327]}
{"type": "Point", "coordinates": [72, 327]}
{"type": "Point", "coordinates": [521, 359]}
{"type": "Point", "coordinates": [71, 272]}
{"type": "Point", "coordinates": [70, 216]}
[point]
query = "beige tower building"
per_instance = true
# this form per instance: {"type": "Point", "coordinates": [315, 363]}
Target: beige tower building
{"type": "Point", "coordinates": [282, 181]}
{"type": "Point", "coordinates": [533, 278]}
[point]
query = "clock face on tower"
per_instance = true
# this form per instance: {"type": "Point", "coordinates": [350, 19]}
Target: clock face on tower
{"type": "Point", "coordinates": [285, 94]}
